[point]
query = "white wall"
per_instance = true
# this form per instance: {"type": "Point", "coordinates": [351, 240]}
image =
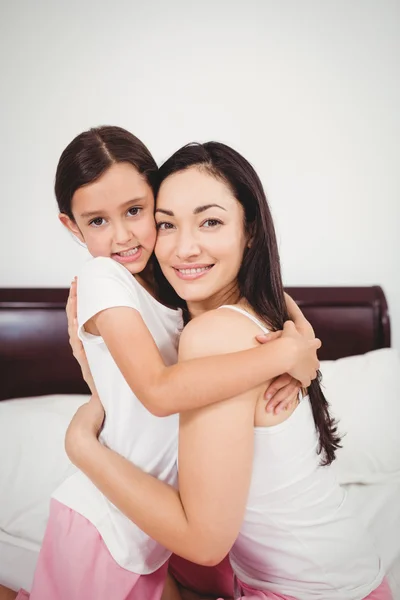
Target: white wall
{"type": "Point", "coordinates": [307, 90]}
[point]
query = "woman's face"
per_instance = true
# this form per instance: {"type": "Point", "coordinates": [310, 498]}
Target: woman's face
{"type": "Point", "coordinates": [201, 238]}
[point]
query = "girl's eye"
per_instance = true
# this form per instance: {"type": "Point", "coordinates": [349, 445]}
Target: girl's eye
{"type": "Point", "coordinates": [211, 223]}
{"type": "Point", "coordinates": [164, 225]}
{"type": "Point", "coordinates": [97, 222]}
{"type": "Point", "coordinates": [134, 211]}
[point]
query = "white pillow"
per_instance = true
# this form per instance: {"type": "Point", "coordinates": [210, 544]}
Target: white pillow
{"type": "Point", "coordinates": [364, 394]}
{"type": "Point", "coordinates": [33, 460]}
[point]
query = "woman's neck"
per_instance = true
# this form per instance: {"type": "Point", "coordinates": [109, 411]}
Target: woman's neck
{"type": "Point", "coordinates": [226, 296]}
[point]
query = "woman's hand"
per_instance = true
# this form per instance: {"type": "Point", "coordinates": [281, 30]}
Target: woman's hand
{"type": "Point", "coordinates": [85, 426]}
{"type": "Point", "coordinates": [75, 343]}
{"type": "Point", "coordinates": [282, 393]}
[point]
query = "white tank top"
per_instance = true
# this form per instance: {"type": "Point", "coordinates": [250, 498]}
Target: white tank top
{"type": "Point", "coordinates": [298, 536]}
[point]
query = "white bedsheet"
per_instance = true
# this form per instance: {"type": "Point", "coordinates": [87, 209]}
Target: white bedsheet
{"type": "Point", "coordinates": [379, 507]}
{"type": "Point", "coordinates": [394, 579]}
{"type": "Point", "coordinates": [18, 560]}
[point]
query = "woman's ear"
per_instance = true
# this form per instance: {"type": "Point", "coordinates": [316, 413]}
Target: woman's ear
{"type": "Point", "coordinates": [71, 226]}
{"type": "Point", "coordinates": [250, 235]}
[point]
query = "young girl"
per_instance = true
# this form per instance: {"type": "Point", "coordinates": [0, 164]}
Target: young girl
{"type": "Point", "coordinates": [255, 484]}
{"type": "Point", "coordinates": [104, 188]}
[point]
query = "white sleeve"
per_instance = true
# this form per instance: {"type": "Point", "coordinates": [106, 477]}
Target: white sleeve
{"type": "Point", "coordinates": [103, 284]}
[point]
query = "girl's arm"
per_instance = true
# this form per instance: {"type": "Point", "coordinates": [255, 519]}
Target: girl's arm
{"type": "Point", "coordinates": [197, 382]}
{"type": "Point", "coordinates": [280, 394]}
{"type": "Point", "coordinates": [200, 521]}
{"type": "Point", "coordinates": [302, 325]}
{"type": "Point", "coordinates": [109, 307]}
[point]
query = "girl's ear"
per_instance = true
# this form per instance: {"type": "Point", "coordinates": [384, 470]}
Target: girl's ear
{"type": "Point", "coordinates": [71, 226]}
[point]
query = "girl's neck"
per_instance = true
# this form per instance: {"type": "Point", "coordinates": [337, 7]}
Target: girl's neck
{"type": "Point", "coordinates": [146, 278]}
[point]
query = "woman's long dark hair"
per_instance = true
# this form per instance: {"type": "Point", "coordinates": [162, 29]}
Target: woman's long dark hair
{"type": "Point", "coordinates": [259, 278]}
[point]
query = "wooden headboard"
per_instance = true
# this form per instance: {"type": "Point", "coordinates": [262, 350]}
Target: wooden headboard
{"type": "Point", "coordinates": [36, 359]}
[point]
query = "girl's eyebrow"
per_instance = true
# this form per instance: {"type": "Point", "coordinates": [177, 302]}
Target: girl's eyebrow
{"type": "Point", "coordinates": [97, 212]}
{"type": "Point", "coordinates": [196, 211]}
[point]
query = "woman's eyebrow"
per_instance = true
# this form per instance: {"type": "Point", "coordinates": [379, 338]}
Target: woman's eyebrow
{"type": "Point", "coordinates": [165, 211]}
{"type": "Point", "coordinates": [204, 207]}
{"type": "Point", "coordinates": [196, 211]}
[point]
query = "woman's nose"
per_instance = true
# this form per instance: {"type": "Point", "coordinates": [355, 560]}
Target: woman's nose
{"type": "Point", "coordinates": [187, 246]}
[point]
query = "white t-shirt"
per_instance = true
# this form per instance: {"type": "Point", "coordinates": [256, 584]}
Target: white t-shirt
{"type": "Point", "coordinates": [149, 442]}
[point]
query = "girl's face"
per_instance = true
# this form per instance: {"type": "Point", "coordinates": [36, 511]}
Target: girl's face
{"type": "Point", "coordinates": [114, 217]}
{"type": "Point", "coordinates": [201, 238]}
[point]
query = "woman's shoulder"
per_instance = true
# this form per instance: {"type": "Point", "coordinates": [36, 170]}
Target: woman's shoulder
{"type": "Point", "coordinates": [218, 331]}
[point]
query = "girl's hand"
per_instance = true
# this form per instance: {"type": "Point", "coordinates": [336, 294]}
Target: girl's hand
{"type": "Point", "coordinates": [75, 343]}
{"type": "Point", "coordinates": [85, 426]}
{"type": "Point", "coordinates": [306, 364]}
{"type": "Point", "coordinates": [284, 390]}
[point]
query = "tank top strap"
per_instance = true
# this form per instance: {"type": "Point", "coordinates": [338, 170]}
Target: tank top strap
{"type": "Point", "coordinates": [257, 322]}
{"type": "Point", "coordinates": [246, 314]}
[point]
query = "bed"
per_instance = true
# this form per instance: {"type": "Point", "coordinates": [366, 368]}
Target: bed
{"type": "Point", "coordinates": [41, 387]}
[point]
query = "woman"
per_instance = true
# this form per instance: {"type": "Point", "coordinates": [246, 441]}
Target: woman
{"type": "Point", "coordinates": [256, 485]}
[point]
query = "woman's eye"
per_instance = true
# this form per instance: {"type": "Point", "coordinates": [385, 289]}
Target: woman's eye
{"type": "Point", "coordinates": [164, 225]}
{"type": "Point", "coordinates": [211, 223]}
{"type": "Point", "coordinates": [134, 211]}
{"type": "Point", "coordinates": [97, 222]}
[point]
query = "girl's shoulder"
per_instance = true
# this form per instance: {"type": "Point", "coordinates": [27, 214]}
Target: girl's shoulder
{"type": "Point", "coordinates": [102, 269]}
{"type": "Point", "coordinates": [103, 266]}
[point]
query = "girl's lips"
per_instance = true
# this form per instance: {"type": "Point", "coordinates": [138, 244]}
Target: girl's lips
{"type": "Point", "coordinates": [128, 259]}
{"type": "Point", "coordinates": [189, 276]}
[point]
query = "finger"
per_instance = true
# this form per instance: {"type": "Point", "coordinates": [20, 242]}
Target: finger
{"type": "Point", "coordinates": [283, 397]}
{"type": "Point", "coordinates": [289, 326]}
{"type": "Point", "coordinates": [70, 300]}
{"type": "Point", "coordinates": [71, 308]}
{"type": "Point", "coordinates": [73, 300]}
{"type": "Point", "coordinates": [268, 337]}
{"type": "Point", "coordinates": [289, 401]}
{"type": "Point", "coordinates": [277, 384]}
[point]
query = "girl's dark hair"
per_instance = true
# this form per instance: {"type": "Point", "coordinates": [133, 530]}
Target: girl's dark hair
{"type": "Point", "coordinates": [259, 278]}
{"type": "Point", "coordinates": [91, 153]}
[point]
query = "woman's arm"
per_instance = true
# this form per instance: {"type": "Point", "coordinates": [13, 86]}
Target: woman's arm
{"type": "Point", "coordinates": [200, 521]}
